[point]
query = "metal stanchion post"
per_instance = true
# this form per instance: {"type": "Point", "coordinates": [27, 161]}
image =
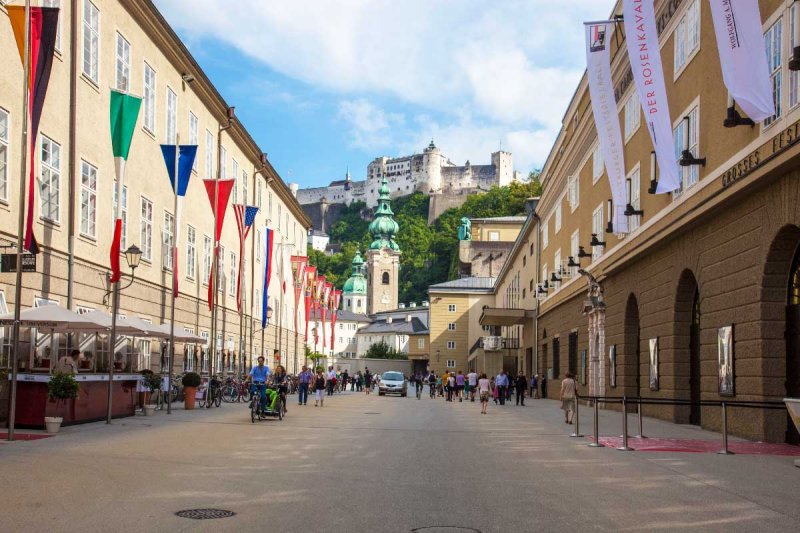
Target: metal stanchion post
{"type": "Point", "coordinates": [624, 446]}
{"type": "Point", "coordinates": [725, 450]}
{"type": "Point", "coordinates": [577, 432]}
{"type": "Point", "coordinates": [640, 435]}
{"type": "Point", "coordinates": [596, 426]}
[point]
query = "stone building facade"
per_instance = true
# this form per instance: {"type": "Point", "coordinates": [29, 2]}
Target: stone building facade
{"type": "Point", "coordinates": [132, 48]}
{"type": "Point", "coordinates": [430, 172]}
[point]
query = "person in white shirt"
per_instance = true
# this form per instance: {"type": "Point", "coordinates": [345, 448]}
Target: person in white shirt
{"type": "Point", "coordinates": [472, 381]}
{"type": "Point", "coordinates": [330, 380]}
{"type": "Point", "coordinates": [483, 390]}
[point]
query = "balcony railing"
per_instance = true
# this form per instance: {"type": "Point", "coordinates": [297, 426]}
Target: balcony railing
{"type": "Point", "coordinates": [493, 343]}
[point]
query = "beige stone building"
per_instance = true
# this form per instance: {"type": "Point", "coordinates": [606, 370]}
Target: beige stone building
{"type": "Point", "coordinates": [719, 256]}
{"type": "Point", "coordinates": [127, 45]}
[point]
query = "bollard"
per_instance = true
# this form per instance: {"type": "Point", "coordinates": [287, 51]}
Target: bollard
{"type": "Point", "coordinates": [596, 428]}
{"type": "Point", "coordinates": [577, 432]}
{"type": "Point", "coordinates": [639, 415]}
{"type": "Point", "coordinates": [624, 447]}
{"type": "Point", "coordinates": [725, 450]}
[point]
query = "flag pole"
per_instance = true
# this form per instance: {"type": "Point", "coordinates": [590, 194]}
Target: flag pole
{"type": "Point", "coordinates": [21, 224]}
{"type": "Point", "coordinates": [174, 252]}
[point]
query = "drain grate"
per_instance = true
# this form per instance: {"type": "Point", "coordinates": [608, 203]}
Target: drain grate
{"type": "Point", "coordinates": [445, 529]}
{"type": "Point", "coordinates": [205, 514]}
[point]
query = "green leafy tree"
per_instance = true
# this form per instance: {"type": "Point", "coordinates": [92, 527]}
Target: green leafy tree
{"type": "Point", "coordinates": [382, 350]}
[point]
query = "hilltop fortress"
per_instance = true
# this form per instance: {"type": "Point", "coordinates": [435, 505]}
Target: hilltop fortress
{"type": "Point", "coordinates": [430, 172]}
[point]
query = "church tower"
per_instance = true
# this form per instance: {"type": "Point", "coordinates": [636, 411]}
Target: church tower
{"type": "Point", "coordinates": [354, 292]}
{"type": "Point", "coordinates": [383, 257]}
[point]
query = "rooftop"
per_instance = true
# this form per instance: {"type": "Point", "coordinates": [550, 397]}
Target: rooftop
{"type": "Point", "coordinates": [342, 315]}
{"type": "Point", "coordinates": [473, 283]}
{"type": "Point", "coordinates": [407, 327]}
{"type": "Point", "coordinates": [500, 220]}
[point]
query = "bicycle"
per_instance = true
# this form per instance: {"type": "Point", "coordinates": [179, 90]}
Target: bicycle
{"type": "Point", "coordinates": [259, 411]}
{"type": "Point", "coordinates": [419, 390]}
{"type": "Point", "coordinates": [432, 388]}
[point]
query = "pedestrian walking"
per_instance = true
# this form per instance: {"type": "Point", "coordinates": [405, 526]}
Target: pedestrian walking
{"type": "Point", "coordinates": [495, 392]}
{"type": "Point", "coordinates": [460, 386]}
{"type": "Point", "coordinates": [502, 386]}
{"type": "Point", "coordinates": [330, 380]}
{"type": "Point", "coordinates": [535, 386]}
{"type": "Point", "coordinates": [520, 387]}
{"type": "Point", "coordinates": [367, 380]}
{"type": "Point", "coordinates": [567, 395]}
{"type": "Point", "coordinates": [483, 391]}
{"type": "Point", "coordinates": [472, 383]}
{"type": "Point", "coordinates": [303, 383]}
{"type": "Point", "coordinates": [451, 387]}
{"type": "Point", "coordinates": [319, 388]}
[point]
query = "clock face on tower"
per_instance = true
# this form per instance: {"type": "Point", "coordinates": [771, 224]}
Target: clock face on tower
{"type": "Point", "coordinates": [384, 254]}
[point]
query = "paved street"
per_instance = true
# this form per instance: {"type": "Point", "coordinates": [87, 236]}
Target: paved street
{"type": "Point", "coordinates": [383, 464]}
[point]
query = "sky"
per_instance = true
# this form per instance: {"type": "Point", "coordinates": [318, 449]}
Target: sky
{"type": "Point", "coordinates": [327, 85]}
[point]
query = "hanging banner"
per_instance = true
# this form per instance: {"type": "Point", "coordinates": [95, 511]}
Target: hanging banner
{"type": "Point", "coordinates": [268, 256]}
{"type": "Point", "coordinates": [606, 118]}
{"type": "Point", "coordinates": [743, 57]}
{"type": "Point", "coordinates": [299, 263]}
{"type": "Point", "coordinates": [124, 114]}
{"type": "Point", "coordinates": [308, 293]}
{"type": "Point", "coordinates": [318, 288]}
{"type": "Point", "coordinates": [245, 216]}
{"type": "Point", "coordinates": [219, 190]}
{"type": "Point", "coordinates": [327, 287]}
{"type": "Point", "coordinates": [645, 58]}
{"type": "Point", "coordinates": [336, 296]}
{"type": "Point", "coordinates": [179, 186]}
{"type": "Point", "coordinates": [42, 44]}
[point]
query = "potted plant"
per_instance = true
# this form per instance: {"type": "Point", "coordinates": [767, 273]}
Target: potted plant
{"type": "Point", "coordinates": [190, 381]}
{"type": "Point", "coordinates": [62, 386]}
{"type": "Point", "coordinates": [151, 382]}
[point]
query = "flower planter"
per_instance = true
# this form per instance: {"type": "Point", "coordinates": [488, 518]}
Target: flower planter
{"type": "Point", "coordinates": [189, 400]}
{"type": "Point", "coordinates": [53, 423]}
{"type": "Point", "coordinates": [149, 410]}
{"type": "Point", "coordinates": [118, 366]}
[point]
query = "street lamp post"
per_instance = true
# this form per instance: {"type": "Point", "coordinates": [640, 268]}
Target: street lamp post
{"type": "Point", "coordinates": [132, 256]}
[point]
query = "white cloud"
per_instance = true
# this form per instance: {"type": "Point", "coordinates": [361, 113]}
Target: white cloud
{"type": "Point", "coordinates": [513, 63]}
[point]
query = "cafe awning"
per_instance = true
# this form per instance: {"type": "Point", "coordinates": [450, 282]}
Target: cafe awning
{"type": "Point", "coordinates": [502, 316]}
{"type": "Point", "coordinates": [181, 335]}
{"type": "Point", "coordinates": [53, 318]}
{"type": "Point", "coordinates": [123, 326]}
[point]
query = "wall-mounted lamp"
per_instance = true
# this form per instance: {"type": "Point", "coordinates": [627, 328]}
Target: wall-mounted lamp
{"type": "Point", "coordinates": [687, 157]}
{"type": "Point", "coordinates": [610, 216]}
{"type": "Point", "coordinates": [596, 241]}
{"type": "Point", "coordinates": [734, 118]}
{"type": "Point", "coordinates": [187, 78]}
{"type": "Point", "coordinates": [572, 263]}
{"type": "Point", "coordinates": [653, 181]}
{"type": "Point", "coordinates": [629, 209]}
{"type": "Point", "coordinates": [582, 253]}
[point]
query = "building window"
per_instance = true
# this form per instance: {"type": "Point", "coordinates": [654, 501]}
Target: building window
{"type": "Point", "coordinates": [123, 214]}
{"type": "Point", "coordinates": [172, 117]}
{"type": "Point", "coordinates": [687, 36]}
{"type": "Point", "coordinates": [684, 128]}
{"type": "Point", "coordinates": [558, 218]}
{"type": "Point", "coordinates": [573, 193]}
{"type": "Point", "coordinates": [451, 308]}
{"type": "Point", "coordinates": [194, 135]}
{"type": "Point", "coordinates": [597, 163]}
{"type": "Point", "coordinates": [191, 252]}
{"type": "Point", "coordinates": [451, 326]}
{"type": "Point", "coordinates": [794, 76]}
{"type": "Point", "coordinates": [168, 239]}
{"type": "Point", "coordinates": [574, 243]}
{"type": "Point", "coordinates": [257, 304]}
{"type": "Point", "coordinates": [123, 79]}
{"type": "Point", "coordinates": [223, 161]}
{"type": "Point", "coordinates": [88, 199]}
{"type": "Point", "coordinates": [773, 44]}
{"type": "Point", "coordinates": [451, 345]}
{"type": "Point", "coordinates": [207, 246]}
{"type": "Point", "coordinates": [221, 269]}
{"type": "Point", "coordinates": [209, 155]}
{"type": "Point", "coordinates": [149, 98]}
{"type": "Point", "coordinates": [245, 200]}
{"type": "Point", "coordinates": [633, 114]}
{"type": "Point", "coordinates": [50, 182]}
{"type": "Point", "coordinates": [258, 245]}
{"type": "Point", "coordinates": [420, 344]}
{"type": "Point", "coordinates": [232, 276]}
{"type": "Point", "coordinates": [545, 234]}
{"type": "Point", "coordinates": [146, 229]}
{"type": "Point", "coordinates": [597, 228]}
{"type": "Point", "coordinates": [385, 278]}
{"type": "Point", "coordinates": [451, 363]}
{"type": "Point", "coordinates": [635, 220]}
{"type": "Point", "coordinates": [544, 273]}
{"type": "Point", "coordinates": [557, 261]}
{"type": "Point", "coordinates": [91, 41]}
{"type": "Point", "coordinates": [235, 176]}
{"type": "Point", "coordinates": [3, 154]}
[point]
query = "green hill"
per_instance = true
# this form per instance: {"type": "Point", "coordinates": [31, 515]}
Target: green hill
{"type": "Point", "coordinates": [430, 252]}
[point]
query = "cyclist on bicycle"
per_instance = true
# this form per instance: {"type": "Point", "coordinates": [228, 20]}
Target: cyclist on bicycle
{"type": "Point", "coordinates": [418, 383]}
{"type": "Point", "coordinates": [259, 375]}
{"type": "Point", "coordinates": [432, 384]}
{"type": "Point", "coordinates": [279, 381]}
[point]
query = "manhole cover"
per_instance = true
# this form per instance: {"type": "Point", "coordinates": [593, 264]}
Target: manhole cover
{"type": "Point", "coordinates": [371, 413]}
{"type": "Point", "coordinates": [445, 529]}
{"type": "Point", "coordinates": [205, 514]}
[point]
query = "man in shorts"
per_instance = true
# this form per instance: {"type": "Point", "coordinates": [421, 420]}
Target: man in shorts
{"type": "Point", "coordinates": [472, 383]}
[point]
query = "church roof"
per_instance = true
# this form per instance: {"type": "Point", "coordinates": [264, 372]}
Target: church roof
{"type": "Point", "coordinates": [475, 283]}
{"type": "Point", "coordinates": [406, 327]}
{"type": "Point", "coordinates": [343, 315]}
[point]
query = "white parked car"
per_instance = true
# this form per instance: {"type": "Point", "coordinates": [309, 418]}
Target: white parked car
{"type": "Point", "coordinates": [393, 383]}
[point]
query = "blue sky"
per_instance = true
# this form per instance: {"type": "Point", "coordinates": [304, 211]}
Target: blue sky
{"type": "Point", "coordinates": [327, 84]}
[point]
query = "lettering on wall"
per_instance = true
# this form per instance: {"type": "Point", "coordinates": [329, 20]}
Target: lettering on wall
{"type": "Point", "coordinates": [781, 142]}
